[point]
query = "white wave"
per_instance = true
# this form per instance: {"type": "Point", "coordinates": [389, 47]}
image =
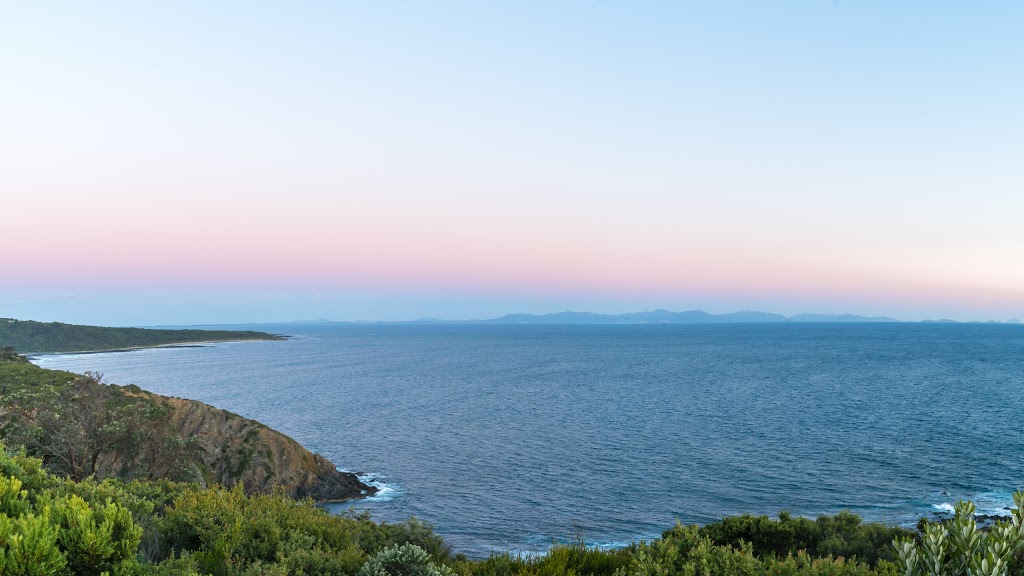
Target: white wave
{"type": "Point", "coordinates": [386, 491]}
{"type": "Point", "coordinates": [516, 552]}
{"type": "Point", "coordinates": [993, 503]}
{"type": "Point", "coordinates": [985, 504]}
{"type": "Point", "coordinates": [542, 545]}
{"type": "Point", "coordinates": [614, 545]}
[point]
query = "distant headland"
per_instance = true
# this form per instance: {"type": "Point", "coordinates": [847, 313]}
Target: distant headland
{"type": "Point", "coordinates": [84, 428]}
{"type": "Point", "coordinates": [30, 337]}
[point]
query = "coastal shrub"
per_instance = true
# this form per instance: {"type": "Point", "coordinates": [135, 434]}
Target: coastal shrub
{"type": "Point", "coordinates": [404, 560]}
{"type": "Point", "coordinates": [28, 545]}
{"type": "Point", "coordinates": [842, 535]}
{"type": "Point", "coordinates": [960, 548]}
{"type": "Point", "coordinates": [845, 535]}
{"type": "Point", "coordinates": [56, 526]}
{"type": "Point", "coordinates": [45, 532]}
{"type": "Point", "coordinates": [767, 537]}
{"type": "Point", "coordinates": [86, 428]}
{"type": "Point", "coordinates": [663, 558]}
{"type": "Point", "coordinates": [20, 376]}
{"type": "Point", "coordinates": [497, 564]}
{"type": "Point", "coordinates": [225, 530]}
{"type": "Point", "coordinates": [803, 564]}
{"type": "Point", "coordinates": [417, 532]}
{"type": "Point", "coordinates": [683, 550]}
{"type": "Point", "coordinates": [184, 565]}
{"type": "Point", "coordinates": [576, 558]}
{"type": "Point", "coordinates": [7, 354]}
{"type": "Point", "coordinates": [95, 539]}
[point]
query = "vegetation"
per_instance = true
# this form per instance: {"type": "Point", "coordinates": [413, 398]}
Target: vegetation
{"type": "Point", "coordinates": [960, 548]}
{"type": "Point", "coordinates": [55, 525]}
{"type": "Point", "coordinates": [39, 337]}
{"type": "Point", "coordinates": [842, 535]}
{"type": "Point", "coordinates": [83, 428]}
{"type": "Point", "coordinates": [405, 560]}
{"type": "Point", "coordinates": [18, 375]}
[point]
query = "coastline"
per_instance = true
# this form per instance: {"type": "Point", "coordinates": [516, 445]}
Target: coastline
{"type": "Point", "coordinates": [189, 344]}
{"type": "Point", "coordinates": [230, 449]}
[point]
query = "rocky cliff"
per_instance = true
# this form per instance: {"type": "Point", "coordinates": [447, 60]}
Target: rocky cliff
{"type": "Point", "coordinates": [84, 428]}
{"type": "Point", "coordinates": [236, 450]}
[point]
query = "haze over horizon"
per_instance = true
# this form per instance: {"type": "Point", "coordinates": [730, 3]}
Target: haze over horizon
{"type": "Point", "coordinates": [190, 163]}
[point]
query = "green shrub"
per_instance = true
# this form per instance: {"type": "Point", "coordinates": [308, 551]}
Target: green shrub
{"type": "Point", "coordinates": [95, 539]}
{"type": "Point", "coordinates": [185, 565]}
{"type": "Point", "coordinates": [45, 531]}
{"type": "Point", "coordinates": [28, 546]}
{"type": "Point", "coordinates": [842, 535]}
{"type": "Point", "coordinates": [56, 526]}
{"type": "Point", "coordinates": [404, 560]}
{"type": "Point", "coordinates": [960, 548]}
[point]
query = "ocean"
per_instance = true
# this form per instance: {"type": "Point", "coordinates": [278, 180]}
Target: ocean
{"type": "Point", "coordinates": [512, 437]}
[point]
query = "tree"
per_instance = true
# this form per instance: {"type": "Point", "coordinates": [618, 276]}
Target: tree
{"type": "Point", "coordinates": [90, 429]}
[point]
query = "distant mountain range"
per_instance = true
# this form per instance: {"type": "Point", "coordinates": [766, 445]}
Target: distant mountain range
{"type": "Point", "coordinates": [662, 316]}
{"type": "Point", "coordinates": [669, 317]}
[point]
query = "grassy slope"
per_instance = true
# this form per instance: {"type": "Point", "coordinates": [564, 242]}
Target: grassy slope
{"type": "Point", "coordinates": [28, 336]}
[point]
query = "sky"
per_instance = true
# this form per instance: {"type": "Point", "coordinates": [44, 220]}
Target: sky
{"type": "Point", "coordinates": [215, 162]}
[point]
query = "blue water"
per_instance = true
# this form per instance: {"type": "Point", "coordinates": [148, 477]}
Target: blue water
{"type": "Point", "coordinates": [512, 437]}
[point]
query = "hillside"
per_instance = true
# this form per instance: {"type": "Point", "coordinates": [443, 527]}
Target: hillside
{"type": "Point", "coordinates": [84, 428]}
{"type": "Point", "coordinates": [28, 336]}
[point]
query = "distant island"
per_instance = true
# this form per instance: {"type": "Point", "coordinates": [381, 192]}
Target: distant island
{"type": "Point", "coordinates": [30, 337]}
{"type": "Point", "coordinates": [662, 316]}
{"type": "Point", "coordinates": [687, 317]}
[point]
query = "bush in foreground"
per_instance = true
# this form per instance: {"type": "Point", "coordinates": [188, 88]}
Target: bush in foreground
{"type": "Point", "coordinates": [55, 526]}
{"type": "Point", "coordinates": [960, 548]}
{"type": "Point", "coordinates": [49, 535]}
{"type": "Point", "coordinates": [405, 560]}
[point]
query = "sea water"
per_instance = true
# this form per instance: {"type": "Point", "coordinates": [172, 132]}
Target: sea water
{"type": "Point", "coordinates": [512, 437]}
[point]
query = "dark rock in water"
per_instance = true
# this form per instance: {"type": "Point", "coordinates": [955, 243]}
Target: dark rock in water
{"type": "Point", "coordinates": [985, 521]}
{"type": "Point", "coordinates": [330, 484]}
{"type": "Point", "coordinates": [989, 519]}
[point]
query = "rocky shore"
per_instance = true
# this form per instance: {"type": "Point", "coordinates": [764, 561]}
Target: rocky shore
{"type": "Point", "coordinates": [237, 450]}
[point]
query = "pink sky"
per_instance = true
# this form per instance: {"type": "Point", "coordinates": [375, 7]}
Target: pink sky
{"type": "Point", "coordinates": [849, 158]}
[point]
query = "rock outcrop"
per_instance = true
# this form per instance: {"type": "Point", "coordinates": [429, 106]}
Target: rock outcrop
{"type": "Point", "coordinates": [236, 450]}
{"type": "Point", "coordinates": [84, 428]}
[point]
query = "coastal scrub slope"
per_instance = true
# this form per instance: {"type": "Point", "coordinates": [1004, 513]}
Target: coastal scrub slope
{"type": "Point", "coordinates": [83, 428]}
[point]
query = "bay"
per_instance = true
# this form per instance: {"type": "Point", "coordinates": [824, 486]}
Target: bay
{"type": "Point", "coordinates": [511, 437]}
